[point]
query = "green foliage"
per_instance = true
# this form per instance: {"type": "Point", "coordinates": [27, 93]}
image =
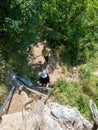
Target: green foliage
{"type": "Point", "coordinates": [70, 27]}
{"type": "Point", "coordinates": [3, 93]}
{"type": "Point", "coordinates": [82, 103]}
{"type": "Point", "coordinates": [19, 28]}
{"type": "Point", "coordinates": [88, 81]}
{"type": "Point", "coordinates": [72, 24]}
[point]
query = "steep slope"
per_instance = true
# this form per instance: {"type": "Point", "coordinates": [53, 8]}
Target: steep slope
{"type": "Point", "coordinates": [53, 68]}
{"type": "Point", "coordinates": [49, 119]}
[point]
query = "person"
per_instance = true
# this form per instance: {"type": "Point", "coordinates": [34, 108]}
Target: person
{"type": "Point", "coordinates": [44, 79]}
{"type": "Point", "coordinates": [45, 53]}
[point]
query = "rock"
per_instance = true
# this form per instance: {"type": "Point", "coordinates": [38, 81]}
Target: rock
{"type": "Point", "coordinates": [50, 124]}
{"type": "Point", "coordinates": [70, 117]}
{"type": "Point", "coordinates": [52, 116]}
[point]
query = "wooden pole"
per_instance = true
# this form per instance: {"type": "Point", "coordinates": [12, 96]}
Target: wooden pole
{"type": "Point", "coordinates": [94, 112]}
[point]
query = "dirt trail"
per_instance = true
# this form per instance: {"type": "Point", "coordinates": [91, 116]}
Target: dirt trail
{"type": "Point", "coordinates": [37, 61]}
{"type": "Point", "coordinates": [14, 114]}
{"type": "Point", "coordinates": [52, 68]}
{"type": "Point", "coordinates": [18, 101]}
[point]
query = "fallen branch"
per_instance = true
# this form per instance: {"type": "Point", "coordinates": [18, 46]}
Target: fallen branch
{"type": "Point", "coordinates": [94, 112]}
{"type": "Point", "coordinates": [36, 92]}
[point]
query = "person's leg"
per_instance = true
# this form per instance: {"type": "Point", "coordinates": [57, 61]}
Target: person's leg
{"type": "Point", "coordinates": [47, 85]}
{"type": "Point", "coordinates": [46, 59]}
{"type": "Point", "coordinates": [44, 85]}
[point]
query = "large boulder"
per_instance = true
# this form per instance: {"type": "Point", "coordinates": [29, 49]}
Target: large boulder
{"type": "Point", "coordinates": [52, 116]}
{"type": "Point", "coordinates": [60, 117]}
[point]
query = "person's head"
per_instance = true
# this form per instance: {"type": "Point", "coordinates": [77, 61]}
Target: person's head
{"type": "Point", "coordinates": [43, 74]}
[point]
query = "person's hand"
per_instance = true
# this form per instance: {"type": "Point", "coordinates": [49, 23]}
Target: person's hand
{"type": "Point", "coordinates": [38, 83]}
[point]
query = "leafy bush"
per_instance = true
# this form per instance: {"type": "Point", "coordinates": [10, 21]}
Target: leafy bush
{"type": "Point", "coordinates": [3, 93]}
{"type": "Point", "coordinates": [19, 27]}
{"type": "Point", "coordinates": [69, 23]}
{"type": "Point", "coordinates": [88, 81]}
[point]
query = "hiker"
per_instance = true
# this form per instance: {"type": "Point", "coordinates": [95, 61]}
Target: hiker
{"type": "Point", "coordinates": [45, 53]}
{"type": "Point", "coordinates": [44, 79]}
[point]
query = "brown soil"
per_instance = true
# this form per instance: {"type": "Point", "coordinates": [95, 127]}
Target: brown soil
{"type": "Point", "coordinates": [52, 68]}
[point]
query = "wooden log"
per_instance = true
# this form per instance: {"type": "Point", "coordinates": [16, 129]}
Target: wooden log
{"type": "Point", "coordinates": [94, 112]}
{"type": "Point", "coordinates": [34, 119]}
{"type": "Point", "coordinates": [36, 92]}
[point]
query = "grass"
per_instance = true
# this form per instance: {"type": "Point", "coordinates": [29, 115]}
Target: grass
{"type": "Point", "coordinates": [3, 93]}
{"type": "Point", "coordinates": [78, 94]}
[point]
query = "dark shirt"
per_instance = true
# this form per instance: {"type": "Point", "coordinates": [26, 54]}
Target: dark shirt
{"type": "Point", "coordinates": [44, 80]}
